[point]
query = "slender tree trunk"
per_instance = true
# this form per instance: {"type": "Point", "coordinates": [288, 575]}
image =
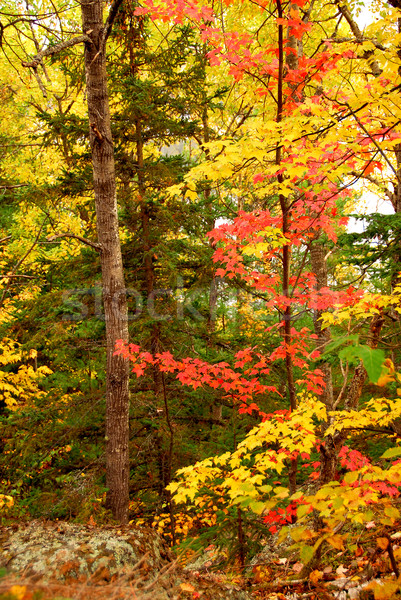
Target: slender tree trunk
{"type": "Point", "coordinates": [355, 387]}
{"type": "Point", "coordinates": [114, 294]}
{"type": "Point", "coordinates": [165, 457]}
{"type": "Point", "coordinates": [286, 258]}
{"type": "Point", "coordinates": [396, 279]}
{"type": "Point", "coordinates": [329, 450]}
{"type": "Point", "coordinates": [217, 409]}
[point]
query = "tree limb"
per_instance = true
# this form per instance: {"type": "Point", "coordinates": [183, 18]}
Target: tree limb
{"type": "Point", "coordinates": [94, 245]}
{"type": "Point", "coordinates": [110, 20]}
{"type": "Point", "coordinates": [343, 40]}
{"type": "Point", "coordinates": [377, 183]}
{"type": "Point", "coordinates": [374, 65]}
{"type": "Point", "coordinates": [16, 276]}
{"type": "Point", "coordinates": [19, 263]}
{"type": "Point", "coordinates": [50, 50]}
{"type": "Point", "coordinates": [12, 187]}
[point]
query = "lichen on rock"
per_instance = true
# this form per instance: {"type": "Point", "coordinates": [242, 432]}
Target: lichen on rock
{"type": "Point", "coordinates": [63, 550]}
{"type": "Point", "coordinates": [134, 559]}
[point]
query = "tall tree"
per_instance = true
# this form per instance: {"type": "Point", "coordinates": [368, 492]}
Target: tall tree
{"type": "Point", "coordinates": [114, 295]}
{"type": "Point", "coordinates": [95, 34]}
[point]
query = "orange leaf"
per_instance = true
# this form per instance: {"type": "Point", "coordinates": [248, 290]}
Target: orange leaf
{"type": "Point", "coordinates": [315, 576]}
{"type": "Point", "coordinates": [18, 591]}
{"type": "Point", "coordinates": [382, 542]}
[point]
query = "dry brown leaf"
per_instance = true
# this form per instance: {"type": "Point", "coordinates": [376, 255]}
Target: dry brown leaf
{"type": "Point", "coordinates": [341, 570]}
{"type": "Point", "coordinates": [297, 567]}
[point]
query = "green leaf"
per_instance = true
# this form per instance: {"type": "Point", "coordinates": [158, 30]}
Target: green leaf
{"type": "Point", "coordinates": [391, 452]}
{"type": "Point", "coordinates": [329, 348]}
{"type": "Point", "coordinates": [372, 359]}
{"type": "Point", "coordinates": [306, 554]}
{"type": "Point", "coordinates": [351, 476]}
{"type": "Point", "coordinates": [283, 534]}
{"type": "Point", "coordinates": [338, 502]}
{"type": "Point", "coordinates": [392, 512]}
{"type": "Point", "coordinates": [265, 489]}
{"type": "Point", "coordinates": [302, 510]}
{"type": "Point", "coordinates": [257, 507]}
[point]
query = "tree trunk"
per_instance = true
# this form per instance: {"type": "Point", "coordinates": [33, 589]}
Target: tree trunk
{"type": "Point", "coordinates": [355, 387]}
{"type": "Point", "coordinates": [328, 450]}
{"type": "Point", "coordinates": [114, 295]}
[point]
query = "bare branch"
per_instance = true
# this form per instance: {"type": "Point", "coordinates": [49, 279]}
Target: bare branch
{"type": "Point", "coordinates": [380, 150]}
{"type": "Point", "coordinates": [17, 185]}
{"type": "Point", "coordinates": [19, 263]}
{"type": "Point", "coordinates": [110, 20]}
{"type": "Point", "coordinates": [50, 50]}
{"type": "Point", "coordinates": [8, 276]}
{"type": "Point", "coordinates": [373, 64]}
{"type": "Point", "coordinates": [39, 82]}
{"type": "Point", "coordinates": [375, 182]}
{"type": "Point", "coordinates": [94, 245]}
{"type": "Point", "coordinates": [344, 40]}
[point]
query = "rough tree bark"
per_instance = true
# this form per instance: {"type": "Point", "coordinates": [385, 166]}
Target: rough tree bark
{"type": "Point", "coordinates": [114, 294]}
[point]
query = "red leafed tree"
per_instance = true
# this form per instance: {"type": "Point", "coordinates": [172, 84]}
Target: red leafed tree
{"type": "Point", "coordinates": [293, 166]}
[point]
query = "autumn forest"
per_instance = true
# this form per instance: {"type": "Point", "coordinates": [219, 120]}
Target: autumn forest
{"type": "Point", "coordinates": [200, 289]}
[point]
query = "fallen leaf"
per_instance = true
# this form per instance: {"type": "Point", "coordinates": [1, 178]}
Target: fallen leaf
{"type": "Point", "coordinates": [336, 541]}
{"type": "Point", "coordinates": [18, 591]}
{"type": "Point", "coordinates": [262, 573]}
{"type": "Point", "coordinates": [315, 576]}
{"type": "Point", "coordinates": [384, 590]}
{"type": "Point", "coordinates": [370, 525]}
{"type": "Point", "coordinates": [341, 570]}
{"type": "Point", "coordinates": [382, 542]}
{"type": "Point", "coordinates": [187, 587]}
{"type": "Point", "coordinates": [297, 567]}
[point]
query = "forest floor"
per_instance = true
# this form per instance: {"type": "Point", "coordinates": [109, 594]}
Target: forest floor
{"type": "Point", "coordinates": [57, 561]}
